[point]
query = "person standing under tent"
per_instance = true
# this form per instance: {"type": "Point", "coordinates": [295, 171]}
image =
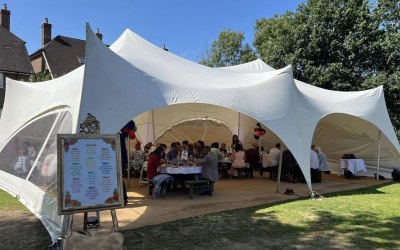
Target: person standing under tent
{"type": "Point", "coordinates": [323, 162]}
{"type": "Point", "coordinates": [209, 164]}
{"type": "Point", "coordinates": [137, 158]}
{"type": "Point", "coordinates": [124, 163]}
{"type": "Point", "coordinates": [235, 140]}
{"type": "Point", "coordinates": [273, 160]}
{"type": "Point", "coordinates": [314, 165]}
{"type": "Point", "coordinates": [252, 156]}
{"type": "Point", "coordinates": [123, 134]}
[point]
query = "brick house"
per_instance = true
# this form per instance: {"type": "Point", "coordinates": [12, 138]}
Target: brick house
{"type": "Point", "coordinates": [14, 58]}
{"type": "Point", "coordinates": [59, 55]}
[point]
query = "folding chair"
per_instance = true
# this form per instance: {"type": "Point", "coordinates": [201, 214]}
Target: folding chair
{"type": "Point", "coordinates": [143, 179]}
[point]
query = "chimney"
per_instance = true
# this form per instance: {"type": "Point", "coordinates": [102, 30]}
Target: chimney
{"type": "Point", "coordinates": [99, 35]}
{"type": "Point", "coordinates": [5, 17]}
{"type": "Point", "coordinates": [164, 48]}
{"type": "Point", "coordinates": [46, 31]}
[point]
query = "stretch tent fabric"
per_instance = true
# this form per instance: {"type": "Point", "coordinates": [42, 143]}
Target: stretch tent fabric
{"type": "Point", "coordinates": [133, 76]}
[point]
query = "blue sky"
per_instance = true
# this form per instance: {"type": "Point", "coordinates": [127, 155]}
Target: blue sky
{"type": "Point", "coordinates": [186, 27]}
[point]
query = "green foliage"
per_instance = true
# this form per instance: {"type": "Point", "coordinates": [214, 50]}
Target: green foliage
{"type": "Point", "coordinates": [228, 50]}
{"type": "Point", "coordinates": [339, 45]}
{"type": "Point", "coordinates": [326, 41]}
{"type": "Point", "coordinates": [40, 77]}
{"type": "Point", "coordinates": [334, 44]}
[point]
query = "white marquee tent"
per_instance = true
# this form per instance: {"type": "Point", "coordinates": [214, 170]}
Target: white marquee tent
{"type": "Point", "coordinates": [135, 79]}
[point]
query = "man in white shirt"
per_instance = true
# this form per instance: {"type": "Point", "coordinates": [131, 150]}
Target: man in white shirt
{"type": "Point", "coordinates": [314, 163]}
{"type": "Point", "coordinates": [273, 159]}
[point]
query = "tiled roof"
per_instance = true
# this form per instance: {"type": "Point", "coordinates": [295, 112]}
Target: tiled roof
{"type": "Point", "coordinates": [62, 54]}
{"type": "Point", "coordinates": [13, 54]}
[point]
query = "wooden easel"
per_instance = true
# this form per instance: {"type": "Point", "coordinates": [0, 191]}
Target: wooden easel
{"type": "Point", "coordinates": [86, 239]}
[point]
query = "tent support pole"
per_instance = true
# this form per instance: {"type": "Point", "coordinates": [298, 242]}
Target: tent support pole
{"type": "Point", "coordinates": [238, 132]}
{"type": "Point", "coordinates": [278, 181]}
{"type": "Point", "coordinates": [205, 131]}
{"type": "Point", "coordinates": [129, 161]}
{"type": "Point", "coordinates": [154, 129]}
{"type": "Point", "coordinates": [379, 154]}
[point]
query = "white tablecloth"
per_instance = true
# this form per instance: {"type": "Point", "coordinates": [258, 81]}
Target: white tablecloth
{"type": "Point", "coordinates": [353, 165]}
{"type": "Point", "coordinates": [181, 170]}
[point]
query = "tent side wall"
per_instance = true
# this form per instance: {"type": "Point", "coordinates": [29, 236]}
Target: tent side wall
{"type": "Point", "coordinates": [28, 168]}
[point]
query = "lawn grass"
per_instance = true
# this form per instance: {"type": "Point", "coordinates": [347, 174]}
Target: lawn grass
{"type": "Point", "coordinates": [8, 202]}
{"type": "Point", "coordinates": [367, 218]}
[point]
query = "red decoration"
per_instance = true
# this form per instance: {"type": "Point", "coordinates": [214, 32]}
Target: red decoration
{"type": "Point", "coordinates": [131, 134]}
{"type": "Point", "coordinates": [258, 131]}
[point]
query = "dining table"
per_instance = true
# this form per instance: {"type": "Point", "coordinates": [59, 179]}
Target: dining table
{"type": "Point", "coordinates": [356, 166]}
{"type": "Point", "coordinates": [182, 173]}
{"type": "Point", "coordinates": [181, 170]}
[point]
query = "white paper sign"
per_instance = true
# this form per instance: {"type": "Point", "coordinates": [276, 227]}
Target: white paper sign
{"type": "Point", "coordinates": [90, 174]}
{"type": "Point", "coordinates": [184, 155]}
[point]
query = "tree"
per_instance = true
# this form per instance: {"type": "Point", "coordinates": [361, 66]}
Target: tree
{"type": "Point", "coordinates": [338, 45]}
{"type": "Point", "coordinates": [326, 41]}
{"type": "Point", "coordinates": [228, 50]}
{"type": "Point", "coordinates": [274, 40]}
{"type": "Point", "coordinates": [387, 14]}
{"type": "Point", "coordinates": [39, 77]}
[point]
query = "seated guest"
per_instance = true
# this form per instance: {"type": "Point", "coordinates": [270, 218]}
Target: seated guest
{"type": "Point", "coordinates": [210, 167]}
{"type": "Point", "coordinates": [185, 142]}
{"type": "Point", "coordinates": [323, 162]}
{"type": "Point", "coordinates": [252, 157]}
{"type": "Point", "coordinates": [314, 163]}
{"type": "Point", "coordinates": [161, 183]}
{"type": "Point", "coordinates": [154, 162]}
{"type": "Point", "coordinates": [215, 150]}
{"type": "Point", "coordinates": [163, 154]}
{"type": "Point", "coordinates": [223, 149]}
{"type": "Point", "coordinates": [184, 152]}
{"type": "Point", "coordinates": [290, 169]}
{"type": "Point", "coordinates": [238, 160]}
{"type": "Point", "coordinates": [198, 149]}
{"type": "Point", "coordinates": [273, 159]}
{"type": "Point", "coordinates": [190, 150]}
{"type": "Point", "coordinates": [174, 152]}
{"type": "Point", "coordinates": [209, 164]}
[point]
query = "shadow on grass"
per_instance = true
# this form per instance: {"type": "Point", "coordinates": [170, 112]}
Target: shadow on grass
{"type": "Point", "coordinates": [22, 230]}
{"type": "Point", "coordinates": [248, 228]}
{"type": "Point", "coordinates": [367, 190]}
